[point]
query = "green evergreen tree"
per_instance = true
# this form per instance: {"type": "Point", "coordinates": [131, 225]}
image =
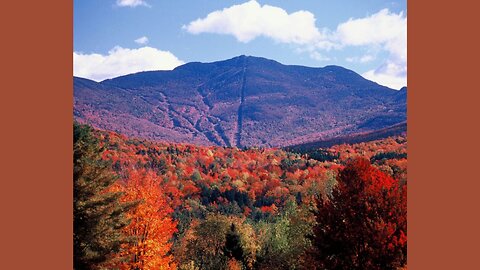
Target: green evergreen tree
{"type": "Point", "coordinates": [233, 245]}
{"type": "Point", "coordinates": [98, 216]}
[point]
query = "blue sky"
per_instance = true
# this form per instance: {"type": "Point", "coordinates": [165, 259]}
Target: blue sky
{"type": "Point", "coordinates": [117, 37]}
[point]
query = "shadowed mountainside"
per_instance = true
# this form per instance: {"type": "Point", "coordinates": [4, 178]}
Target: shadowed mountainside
{"type": "Point", "coordinates": [244, 101]}
{"type": "Point", "coordinates": [395, 130]}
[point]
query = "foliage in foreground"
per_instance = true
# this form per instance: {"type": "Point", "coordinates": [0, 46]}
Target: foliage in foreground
{"type": "Point", "coordinates": [152, 226]}
{"type": "Point", "coordinates": [363, 225]}
{"type": "Point", "coordinates": [98, 215]}
{"type": "Point", "coordinates": [118, 223]}
{"type": "Point", "coordinates": [225, 208]}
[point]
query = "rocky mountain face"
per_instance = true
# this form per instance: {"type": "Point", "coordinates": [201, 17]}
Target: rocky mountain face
{"type": "Point", "coordinates": [244, 101]}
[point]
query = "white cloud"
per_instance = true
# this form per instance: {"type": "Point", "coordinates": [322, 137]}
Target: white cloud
{"type": "Point", "coordinates": [382, 31]}
{"type": "Point", "coordinates": [385, 29]}
{"type": "Point", "coordinates": [251, 20]}
{"type": "Point", "coordinates": [132, 3]}
{"type": "Point", "coordinates": [318, 56]}
{"type": "Point", "coordinates": [364, 59]}
{"type": "Point", "coordinates": [121, 61]}
{"type": "Point", "coordinates": [391, 74]}
{"type": "Point", "coordinates": [142, 40]}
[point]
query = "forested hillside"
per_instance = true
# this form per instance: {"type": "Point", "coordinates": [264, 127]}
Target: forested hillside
{"type": "Point", "coordinates": [197, 207]}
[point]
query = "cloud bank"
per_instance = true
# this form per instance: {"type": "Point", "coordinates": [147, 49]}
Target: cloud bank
{"type": "Point", "coordinates": [384, 31]}
{"type": "Point", "coordinates": [132, 3]}
{"type": "Point", "coordinates": [251, 20]}
{"type": "Point", "coordinates": [120, 61]}
{"type": "Point", "coordinates": [391, 74]}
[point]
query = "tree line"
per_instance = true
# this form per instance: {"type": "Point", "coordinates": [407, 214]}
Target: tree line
{"type": "Point", "coordinates": [143, 205]}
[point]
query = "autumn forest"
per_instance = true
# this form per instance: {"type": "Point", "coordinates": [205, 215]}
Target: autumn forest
{"type": "Point", "coordinates": [141, 204]}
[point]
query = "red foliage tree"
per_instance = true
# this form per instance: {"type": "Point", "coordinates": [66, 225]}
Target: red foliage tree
{"type": "Point", "coordinates": [363, 225]}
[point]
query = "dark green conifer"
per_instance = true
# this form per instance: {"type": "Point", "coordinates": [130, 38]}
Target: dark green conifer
{"type": "Point", "coordinates": [98, 216]}
{"type": "Point", "coordinates": [233, 245]}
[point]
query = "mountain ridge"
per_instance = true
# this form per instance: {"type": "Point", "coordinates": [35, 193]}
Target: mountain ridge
{"type": "Point", "coordinates": [242, 101]}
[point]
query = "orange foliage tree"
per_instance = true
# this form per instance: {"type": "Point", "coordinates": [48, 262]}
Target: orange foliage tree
{"type": "Point", "coordinates": [151, 227]}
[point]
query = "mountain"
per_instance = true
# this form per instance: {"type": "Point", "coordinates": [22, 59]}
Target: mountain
{"type": "Point", "coordinates": [244, 101]}
{"type": "Point", "coordinates": [398, 129]}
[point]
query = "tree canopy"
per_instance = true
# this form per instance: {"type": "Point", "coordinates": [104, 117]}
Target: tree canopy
{"type": "Point", "coordinates": [363, 224]}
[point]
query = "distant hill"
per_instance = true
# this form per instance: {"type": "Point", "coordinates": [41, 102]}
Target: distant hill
{"type": "Point", "coordinates": [244, 101]}
{"type": "Point", "coordinates": [398, 129]}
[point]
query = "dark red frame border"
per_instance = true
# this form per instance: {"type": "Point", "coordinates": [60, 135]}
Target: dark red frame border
{"type": "Point", "coordinates": [36, 124]}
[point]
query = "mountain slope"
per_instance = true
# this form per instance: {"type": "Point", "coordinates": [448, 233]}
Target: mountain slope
{"type": "Point", "coordinates": [395, 130]}
{"type": "Point", "coordinates": [243, 101]}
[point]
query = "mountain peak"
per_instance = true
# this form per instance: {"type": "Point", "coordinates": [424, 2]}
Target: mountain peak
{"type": "Point", "coordinates": [242, 101]}
{"type": "Point", "coordinates": [250, 59]}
